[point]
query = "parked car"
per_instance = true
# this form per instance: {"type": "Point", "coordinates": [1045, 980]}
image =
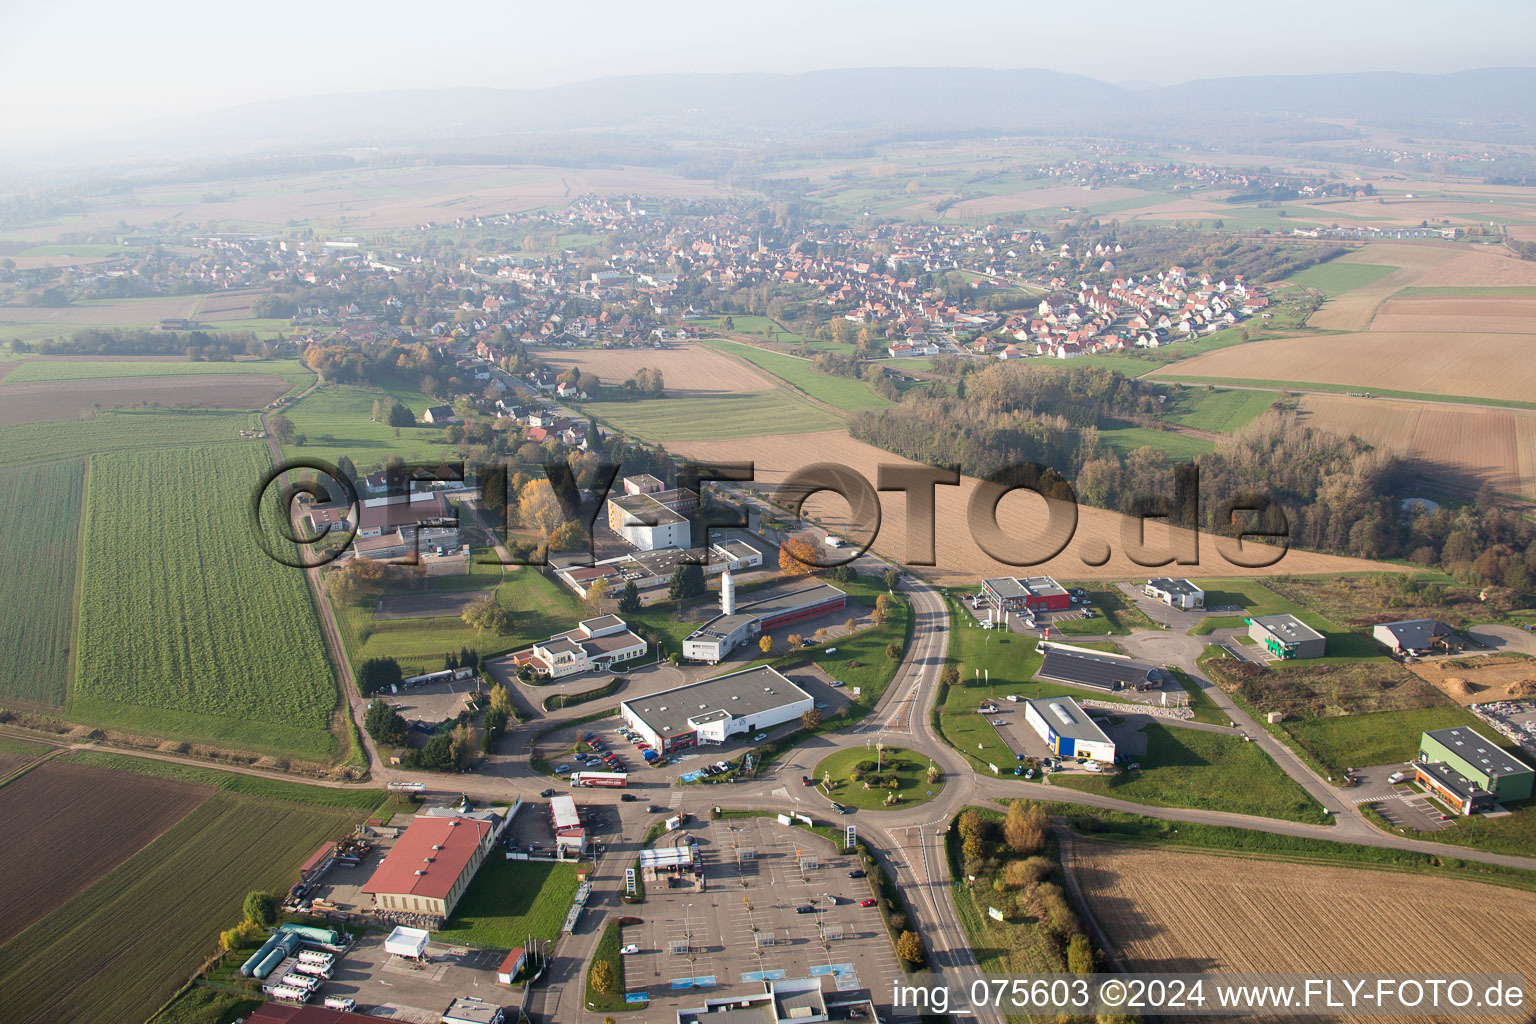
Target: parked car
{"type": "Point", "coordinates": [1029, 773]}
{"type": "Point", "coordinates": [655, 809]}
{"type": "Point", "coordinates": [546, 794]}
{"type": "Point", "coordinates": [562, 769]}
{"type": "Point", "coordinates": [866, 903]}
{"type": "Point", "coordinates": [1396, 777]}
{"type": "Point", "coordinates": [1018, 769]}
{"type": "Point", "coordinates": [857, 873]}
{"type": "Point", "coordinates": [759, 737]}
{"type": "Point", "coordinates": [628, 798]}
{"type": "Point", "coordinates": [805, 909]}
{"type": "Point", "coordinates": [1092, 766]}
{"type": "Point", "coordinates": [627, 950]}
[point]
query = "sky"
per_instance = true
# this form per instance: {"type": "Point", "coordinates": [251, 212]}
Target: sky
{"type": "Point", "coordinates": [74, 66]}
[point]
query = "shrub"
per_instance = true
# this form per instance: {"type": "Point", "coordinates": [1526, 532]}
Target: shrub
{"type": "Point", "coordinates": [261, 908]}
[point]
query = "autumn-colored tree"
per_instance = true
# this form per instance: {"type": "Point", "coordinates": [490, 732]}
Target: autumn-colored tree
{"type": "Point", "coordinates": [501, 700]}
{"type": "Point", "coordinates": [1023, 873]}
{"type": "Point", "coordinates": [970, 826]}
{"type": "Point", "coordinates": [910, 948]}
{"type": "Point", "coordinates": [597, 590]}
{"type": "Point", "coordinates": [797, 555]}
{"type": "Point", "coordinates": [538, 508]}
{"type": "Point", "coordinates": [821, 635]}
{"type": "Point", "coordinates": [1024, 828]}
{"type": "Point", "coordinates": [602, 976]}
{"type": "Point", "coordinates": [765, 644]}
{"type": "Point", "coordinates": [849, 625]}
{"type": "Point", "coordinates": [486, 615]}
{"type": "Point", "coordinates": [810, 718]}
{"type": "Point", "coordinates": [883, 604]}
{"type": "Point", "coordinates": [893, 651]}
{"type": "Point", "coordinates": [794, 641]}
{"type": "Point", "coordinates": [1080, 954]}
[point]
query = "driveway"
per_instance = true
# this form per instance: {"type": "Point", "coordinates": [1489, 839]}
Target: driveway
{"type": "Point", "coordinates": [1504, 639]}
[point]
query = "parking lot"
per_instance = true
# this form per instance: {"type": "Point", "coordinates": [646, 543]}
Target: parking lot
{"type": "Point", "coordinates": [431, 704]}
{"type": "Point", "coordinates": [388, 986]}
{"type": "Point", "coordinates": [745, 928]}
{"type": "Point", "coordinates": [1401, 804]}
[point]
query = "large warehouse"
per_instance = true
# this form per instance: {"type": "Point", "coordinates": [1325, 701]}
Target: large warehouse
{"type": "Point", "coordinates": [1287, 637]}
{"type": "Point", "coordinates": [1470, 771]}
{"type": "Point", "coordinates": [714, 710]}
{"type": "Point", "coordinates": [430, 866]}
{"type": "Point", "coordinates": [735, 625]}
{"type": "Point", "coordinates": [1067, 729]}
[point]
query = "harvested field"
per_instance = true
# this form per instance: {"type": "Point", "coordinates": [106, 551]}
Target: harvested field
{"type": "Point", "coordinates": [40, 401]}
{"type": "Point", "coordinates": [425, 606]}
{"type": "Point", "coordinates": [1482, 269]}
{"type": "Point", "coordinates": [1168, 911]}
{"type": "Point", "coordinates": [1353, 310]}
{"type": "Point", "coordinates": [148, 311]}
{"type": "Point", "coordinates": [960, 560]}
{"type": "Point", "coordinates": [1437, 364]}
{"type": "Point", "coordinates": [1464, 445]}
{"type": "Point", "coordinates": [1480, 680]}
{"type": "Point", "coordinates": [1477, 315]}
{"type": "Point", "coordinates": [687, 370]}
{"type": "Point", "coordinates": [1042, 198]}
{"type": "Point", "coordinates": [81, 823]}
{"type": "Point", "coordinates": [134, 946]}
{"type": "Point", "coordinates": [235, 305]}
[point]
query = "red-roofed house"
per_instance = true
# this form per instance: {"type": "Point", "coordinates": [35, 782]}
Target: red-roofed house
{"type": "Point", "coordinates": [431, 865]}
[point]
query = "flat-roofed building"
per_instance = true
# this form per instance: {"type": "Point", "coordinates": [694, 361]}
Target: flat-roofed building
{"type": "Point", "coordinates": [1028, 593]}
{"type": "Point", "coordinates": [1287, 637]}
{"type": "Point", "coordinates": [714, 710]}
{"type": "Point", "coordinates": [651, 520]}
{"type": "Point", "coordinates": [1067, 729]}
{"type": "Point", "coordinates": [1470, 771]}
{"type": "Point", "coordinates": [1101, 670]}
{"type": "Point", "coordinates": [712, 641]}
{"type": "Point", "coordinates": [1175, 593]}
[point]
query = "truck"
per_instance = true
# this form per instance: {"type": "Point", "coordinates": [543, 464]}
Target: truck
{"type": "Point", "coordinates": [674, 823]}
{"type": "Point", "coordinates": [344, 1003]}
{"type": "Point", "coordinates": [407, 787]}
{"type": "Point", "coordinates": [609, 780]}
{"type": "Point", "coordinates": [313, 970]}
{"type": "Point", "coordinates": [285, 993]}
{"type": "Point", "coordinates": [304, 981]}
{"type": "Point", "coordinates": [315, 956]}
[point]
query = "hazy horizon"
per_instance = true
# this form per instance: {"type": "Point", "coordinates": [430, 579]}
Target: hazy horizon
{"type": "Point", "coordinates": [175, 58]}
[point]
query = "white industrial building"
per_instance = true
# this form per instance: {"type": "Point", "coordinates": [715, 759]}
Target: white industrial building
{"type": "Point", "coordinates": [1175, 593]}
{"type": "Point", "coordinates": [1067, 729]}
{"type": "Point", "coordinates": [734, 626]}
{"type": "Point", "coordinates": [651, 520]}
{"type": "Point", "coordinates": [714, 710]}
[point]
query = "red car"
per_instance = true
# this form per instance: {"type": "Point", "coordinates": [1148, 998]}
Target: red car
{"type": "Point", "coordinates": [806, 780]}
{"type": "Point", "coordinates": [866, 903]}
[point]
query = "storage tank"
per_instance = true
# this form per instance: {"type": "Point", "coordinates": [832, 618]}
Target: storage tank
{"type": "Point", "coordinates": [249, 966]}
{"type": "Point", "coordinates": [269, 962]}
{"type": "Point", "coordinates": [309, 933]}
{"type": "Point", "coordinates": [728, 594]}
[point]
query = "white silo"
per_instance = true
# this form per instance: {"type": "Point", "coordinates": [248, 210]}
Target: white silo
{"type": "Point", "coordinates": [727, 594]}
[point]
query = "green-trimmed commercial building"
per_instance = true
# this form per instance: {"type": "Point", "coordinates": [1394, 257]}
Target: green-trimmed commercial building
{"type": "Point", "coordinates": [1469, 771]}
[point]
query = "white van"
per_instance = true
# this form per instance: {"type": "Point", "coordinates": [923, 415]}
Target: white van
{"type": "Point", "coordinates": [1013, 698]}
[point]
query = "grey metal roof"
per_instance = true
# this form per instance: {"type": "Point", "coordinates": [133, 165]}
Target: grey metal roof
{"type": "Point", "coordinates": [1067, 717]}
{"type": "Point", "coordinates": [741, 694]}
{"type": "Point", "coordinates": [1172, 586]}
{"type": "Point", "coordinates": [1287, 628]}
{"type": "Point", "coordinates": [1475, 748]}
{"type": "Point", "coordinates": [1415, 634]}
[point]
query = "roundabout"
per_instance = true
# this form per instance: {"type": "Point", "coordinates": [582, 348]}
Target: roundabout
{"type": "Point", "coordinates": [878, 779]}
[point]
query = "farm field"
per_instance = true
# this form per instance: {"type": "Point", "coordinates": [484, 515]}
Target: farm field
{"type": "Point", "coordinates": [839, 392]}
{"type": "Point", "coordinates": [1212, 771]}
{"type": "Point", "coordinates": [1351, 308]}
{"type": "Point", "coordinates": [1464, 446]}
{"type": "Point", "coordinates": [357, 799]}
{"type": "Point", "coordinates": [1338, 276]}
{"type": "Point", "coordinates": [510, 900]}
{"type": "Point", "coordinates": [336, 420]}
{"type": "Point", "coordinates": [135, 945]}
{"type": "Point", "coordinates": [1481, 269]}
{"type": "Point", "coordinates": [40, 598]}
{"type": "Point", "coordinates": [1218, 410]}
{"type": "Point", "coordinates": [1485, 315]}
{"type": "Point", "coordinates": [1454, 365]}
{"type": "Point", "coordinates": [960, 560]}
{"type": "Point", "coordinates": [688, 370]}
{"type": "Point", "coordinates": [1168, 911]}
{"type": "Point", "coordinates": [51, 368]}
{"type": "Point", "coordinates": [1049, 197]}
{"type": "Point", "coordinates": [35, 401]}
{"type": "Point", "coordinates": [118, 431]}
{"type": "Point", "coordinates": [673, 421]}
{"type": "Point", "coordinates": [246, 667]}
{"type": "Point", "coordinates": [62, 803]}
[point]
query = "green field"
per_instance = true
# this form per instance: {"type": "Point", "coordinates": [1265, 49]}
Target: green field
{"type": "Point", "coordinates": [83, 249]}
{"type": "Point", "coordinates": [1178, 447]}
{"type": "Point", "coordinates": [754, 414]}
{"type": "Point", "coordinates": [336, 420]}
{"type": "Point", "coordinates": [1211, 771]}
{"type": "Point", "coordinates": [118, 431]}
{"type": "Point", "coordinates": [1344, 389]}
{"type": "Point", "coordinates": [39, 534]}
{"type": "Point", "coordinates": [1336, 278]}
{"type": "Point", "coordinates": [129, 941]}
{"type": "Point", "coordinates": [1218, 410]}
{"type": "Point", "coordinates": [1383, 737]}
{"type": "Point", "coordinates": [187, 628]}
{"type": "Point", "coordinates": [49, 370]}
{"type": "Point", "coordinates": [536, 605]}
{"type": "Point", "coordinates": [509, 900]}
{"type": "Point", "coordinates": [841, 392]}
{"type": "Point", "coordinates": [912, 784]}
